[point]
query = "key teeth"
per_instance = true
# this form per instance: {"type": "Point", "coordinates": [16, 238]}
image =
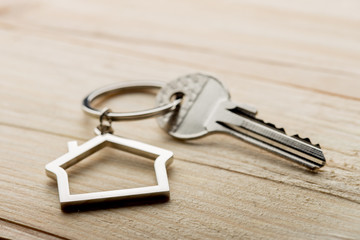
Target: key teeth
{"type": "Point", "coordinates": [282, 130]}
{"type": "Point", "coordinates": [271, 125]}
{"type": "Point", "coordinates": [306, 140]}
{"type": "Point", "coordinates": [260, 120]}
{"type": "Point", "coordinates": [274, 126]}
{"type": "Point", "coordinates": [301, 139]}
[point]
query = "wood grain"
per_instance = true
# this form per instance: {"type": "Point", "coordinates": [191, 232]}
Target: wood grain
{"type": "Point", "coordinates": [297, 62]}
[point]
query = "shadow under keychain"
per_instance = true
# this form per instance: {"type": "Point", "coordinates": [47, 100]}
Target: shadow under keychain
{"type": "Point", "coordinates": [105, 138]}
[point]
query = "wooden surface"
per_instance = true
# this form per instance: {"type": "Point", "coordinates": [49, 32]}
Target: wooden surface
{"type": "Point", "coordinates": [298, 62]}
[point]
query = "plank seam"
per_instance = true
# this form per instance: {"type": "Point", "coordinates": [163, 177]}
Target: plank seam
{"type": "Point", "coordinates": [32, 228]}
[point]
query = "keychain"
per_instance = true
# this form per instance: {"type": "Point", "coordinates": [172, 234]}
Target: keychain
{"type": "Point", "coordinates": [105, 138]}
{"type": "Point", "coordinates": [205, 108]}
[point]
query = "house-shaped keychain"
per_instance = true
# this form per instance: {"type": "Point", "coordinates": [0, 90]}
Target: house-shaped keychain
{"type": "Point", "coordinates": [56, 170]}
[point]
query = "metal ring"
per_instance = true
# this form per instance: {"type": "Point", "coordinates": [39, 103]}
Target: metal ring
{"type": "Point", "coordinates": [123, 86]}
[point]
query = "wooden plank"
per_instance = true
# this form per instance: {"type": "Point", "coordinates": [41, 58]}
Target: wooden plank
{"type": "Point", "coordinates": [205, 202]}
{"type": "Point", "coordinates": [297, 62]}
{"type": "Point", "coordinates": [317, 117]}
{"type": "Point", "coordinates": [324, 43]}
{"type": "Point", "coordinates": [11, 230]}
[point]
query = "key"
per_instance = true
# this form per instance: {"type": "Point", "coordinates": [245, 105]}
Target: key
{"type": "Point", "coordinates": [206, 108]}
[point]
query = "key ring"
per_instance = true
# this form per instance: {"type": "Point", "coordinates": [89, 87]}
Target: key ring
{"type": "Point", "coordinates": [121, 87]}
{"type": "Point", "coordinates": [105, 138]}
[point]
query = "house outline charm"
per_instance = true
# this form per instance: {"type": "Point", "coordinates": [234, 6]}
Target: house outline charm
{"type": "Point", "coordinates": [56, 170]}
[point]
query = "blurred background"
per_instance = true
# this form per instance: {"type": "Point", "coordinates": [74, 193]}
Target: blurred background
{"type": "Point", "coordinates": [276, 45]}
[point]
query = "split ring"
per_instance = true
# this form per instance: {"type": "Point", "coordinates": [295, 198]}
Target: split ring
{"type": "Point", "coordinates": [123, 87]}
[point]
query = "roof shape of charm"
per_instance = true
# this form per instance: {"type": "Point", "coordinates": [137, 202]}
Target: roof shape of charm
{"type": "Point", "coordinates": [56, 170]}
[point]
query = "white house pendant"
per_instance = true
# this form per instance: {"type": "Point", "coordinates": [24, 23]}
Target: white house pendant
{"type": "Point", "coordinates": [56, 170]}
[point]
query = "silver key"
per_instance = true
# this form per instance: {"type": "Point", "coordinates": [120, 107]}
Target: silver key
{"type": "Point", "coordinates": [206, 108]}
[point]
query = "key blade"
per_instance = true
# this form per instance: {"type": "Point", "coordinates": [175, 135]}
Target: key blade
{"type": "Point", "coordinates": [266, 135]}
